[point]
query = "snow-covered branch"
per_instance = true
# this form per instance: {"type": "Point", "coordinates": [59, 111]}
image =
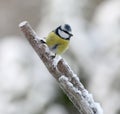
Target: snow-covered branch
{"type": "Point", "coordinates": [61, 71]}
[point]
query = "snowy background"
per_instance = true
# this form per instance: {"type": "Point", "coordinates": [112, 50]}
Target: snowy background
{"type": "Point", "coordinates": [26, 87]}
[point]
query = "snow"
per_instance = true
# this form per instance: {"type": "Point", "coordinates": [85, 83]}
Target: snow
{"type": "Point", "coordinates": [23, 23]}
{"type": "Point", "coordinates": [99, 108]}
{"type": "Point", "coordinates": [88, 97]}
{"type": "Point", "coordinates": [94, 105]}
{"type": "Point", "coordinates": [76, 77]}
{"type": "Point", "coordinates": [56, 60]}
{"type": "Point", "coordinates": [63, 79]}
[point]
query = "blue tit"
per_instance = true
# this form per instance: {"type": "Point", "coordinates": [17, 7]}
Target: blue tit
{"type": "Point", "coordinates": [58, 40]}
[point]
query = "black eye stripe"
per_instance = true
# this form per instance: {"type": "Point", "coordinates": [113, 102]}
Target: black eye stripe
{"type": "Point", "coordinates": [67, 33]}
{"type": "Point", "coordinates": [59, 28]}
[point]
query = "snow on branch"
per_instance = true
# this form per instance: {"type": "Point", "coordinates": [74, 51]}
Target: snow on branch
{"type": "Point", "coordinates": [60, 70]}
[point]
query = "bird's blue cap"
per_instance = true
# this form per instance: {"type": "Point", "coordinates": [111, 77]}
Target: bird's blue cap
{"type": "Point", "coordinates": [66, 27]}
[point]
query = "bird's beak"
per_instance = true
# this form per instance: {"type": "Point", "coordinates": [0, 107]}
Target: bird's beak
{"type": "Point", "coordinates": [71, 35]}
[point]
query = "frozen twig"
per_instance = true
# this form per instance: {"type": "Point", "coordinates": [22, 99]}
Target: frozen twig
{"type": "Point", "coordinates": [61, 71]}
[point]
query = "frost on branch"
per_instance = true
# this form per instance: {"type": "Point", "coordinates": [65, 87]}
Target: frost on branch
{"type": "Point", "coordinates": [76, 91]}
{"type": "Point", "coordinates": [60, 70]}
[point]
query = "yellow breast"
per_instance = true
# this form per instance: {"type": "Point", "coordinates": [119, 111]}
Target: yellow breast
{"type": "Point", "coordinates": [57, 44]}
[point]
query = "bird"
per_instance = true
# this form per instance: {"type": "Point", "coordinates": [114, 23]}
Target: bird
{"type": "Point", "coordinates": [58, 40]}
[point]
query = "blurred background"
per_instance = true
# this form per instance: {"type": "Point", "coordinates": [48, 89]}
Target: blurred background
{"type": "Point", "coordinates": [26, 87]}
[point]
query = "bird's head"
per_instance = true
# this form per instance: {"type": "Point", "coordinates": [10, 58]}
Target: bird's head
{"type": "Point", "coordinates": [64, 31]}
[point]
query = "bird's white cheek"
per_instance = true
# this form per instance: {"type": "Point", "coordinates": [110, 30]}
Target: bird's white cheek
{"type": "Point", "coordinates": [63, 34]}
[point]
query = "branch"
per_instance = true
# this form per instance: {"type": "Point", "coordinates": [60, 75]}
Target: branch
{"type": "Point", "coordinates": [68, 81]}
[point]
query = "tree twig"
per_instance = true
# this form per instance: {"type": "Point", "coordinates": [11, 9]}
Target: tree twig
{"type": "Point", "coordinates": [68, 81]}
